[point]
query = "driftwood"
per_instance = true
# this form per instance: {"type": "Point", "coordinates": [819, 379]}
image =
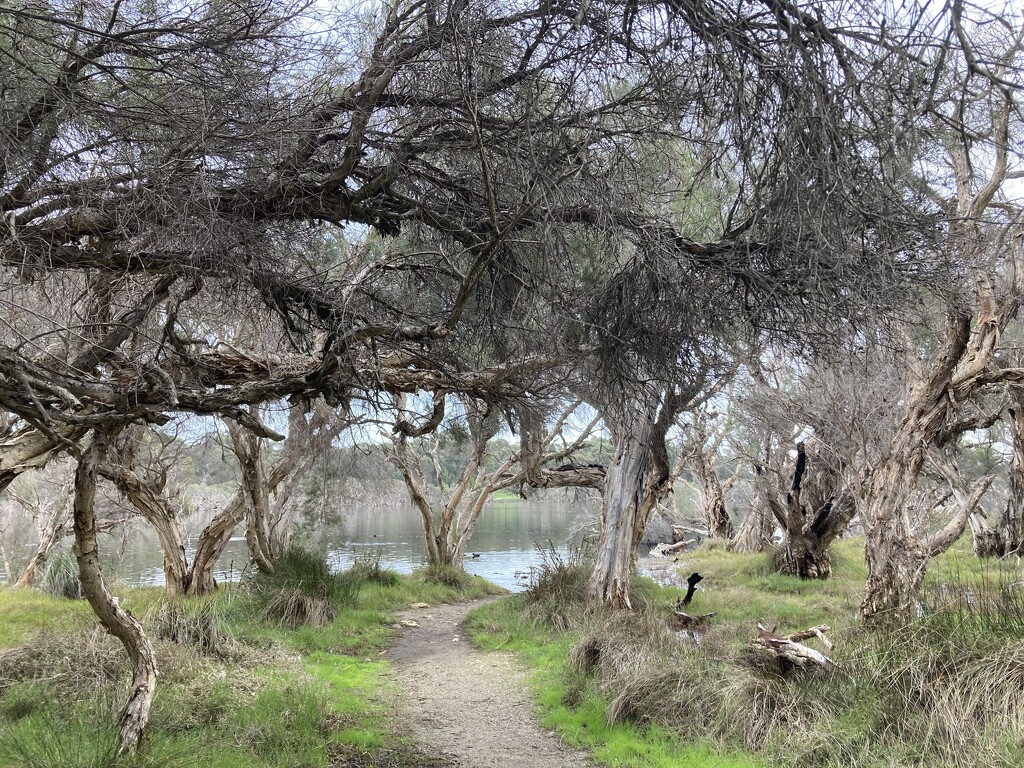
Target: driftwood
{"type": "Point", "coordinates": [679, 533]}
{"type": "Point", "coordinates": [790, 652]}
{"type": "Point", "coordinates": [661, 550]}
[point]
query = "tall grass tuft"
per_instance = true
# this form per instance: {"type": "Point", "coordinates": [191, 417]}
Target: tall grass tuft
{"type": "Point", "coordinates": [302, 590]}
{"type": "Point", "coordinates": [46, 743]}
{"type": "Point", "coordinates": [196, 622]}
{"type": "Point", "coordinates": [60, 576]}
{"type": "Point", "coordinates": [556, 596]}
{"type": "Point", "coordinates": [367, 569]}
{"type": "Point", "coordinates": [453, 576]}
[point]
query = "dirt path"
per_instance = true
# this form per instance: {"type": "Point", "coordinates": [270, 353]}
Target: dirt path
{"type": "Point", "coordinates": [467, 705]}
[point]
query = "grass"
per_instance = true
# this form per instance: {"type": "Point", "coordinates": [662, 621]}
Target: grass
{"type": "Point", "coordinates": [238, 688]}
{"type": "Point", "coordinates": [941, 691]}
{"type": "Point", "coordinates": [59, 577]}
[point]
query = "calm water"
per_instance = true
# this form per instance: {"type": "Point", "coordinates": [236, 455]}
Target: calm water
{"type": "Point", "coordinates": [507, 538]}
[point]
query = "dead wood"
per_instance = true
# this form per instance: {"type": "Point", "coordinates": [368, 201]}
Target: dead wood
{"type": "Point", "coordinates": [790, 652]}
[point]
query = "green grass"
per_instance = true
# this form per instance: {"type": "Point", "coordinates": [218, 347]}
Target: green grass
{"type": "Point", "coordinates": [27, 611]}
{"type": "Point", "coordinates": [941, 691]}
{"type": "Point", "coordinates": [263, 696]}
{"type": "Point", "coordinates": [575, 707]}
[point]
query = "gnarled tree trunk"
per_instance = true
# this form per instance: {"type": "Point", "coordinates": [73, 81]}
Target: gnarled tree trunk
{"type": "Point", "coordinates": [211, 544]}
{"type": "Point", "coordinates": [1007, 537]}
{"type": "Point", "coordinates": [627, 502]}
{"type": "Point", "coordinates": [758, 526]}
{"type": "Point", "coordinates": [151, 502]}
{"type": "Point", "coordinates": [50, 534]}
{"type": "Point", "coordinates": [638, 478]}
{"type": "Point", "coordinates": [115, 619]}
{"type": "Point", "coordinates": [816, 512]}
{"type": "Point", "coordinates": [716, 514]}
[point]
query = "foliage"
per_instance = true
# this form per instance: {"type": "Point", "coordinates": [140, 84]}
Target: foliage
{"type": "Point", "coordinates": [302, 590]}
{"type": "Point", "coordinates": [196, 622]}
{"type": "Point", "coordinates": [915, 694]}
{"type": "Point", "coordinates": [260, 705]}
{"type": "Point", "coordinates": [51, 741]}
{"type": "Point", "coordinates": [447, 575]}
{"type": "Point", "coordinates": [60, 576]}
{"type": "Point", "coordinates": [367, 569]}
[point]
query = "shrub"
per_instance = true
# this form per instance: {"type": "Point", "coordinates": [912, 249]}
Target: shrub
{"type": "Point", "coordinates": [194, 622]}
{"type": "Point", "coordinates": [366, 569]}
{"type": "Point", "coordinates": [556, 596]}
{"type": "Point", "coordinates": [302, 590]}
{"type": "Point", "coordinates": [60, 576]}
{"type": "Point", "coordinates": [46, 743]}
{"type": "Point", "coordinates": [447, 575]}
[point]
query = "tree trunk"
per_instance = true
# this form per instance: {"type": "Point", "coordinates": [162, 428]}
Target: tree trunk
{"type": "Point", "coordinates": [115, 619]}
{"type": "Point", "coordinates": [155, 508]}
{"type": "Point", "coordinates": [621, 514]}
{"type": "Point", "coordinates": [257, 496]}
{"type": "Point", "coordinates": [29, 448]}
{"type": "Point", "coordinates": [716, 515]}
{"type": "Point", "coordinates": [49, 537]}
{"type": "Point", "coordinates": [816, 512]}
{"type": "Point", "coordinates": [757, 528]}
{"type": "Point", "coordinates": [637, 480]}
{"type": "Point", "coordinates": [896, 570]}
{"type": "Point", "coordinates": [896, 555]}
{"type": "Point", "coordinates": [211, 544]}
{"type": "Point", "coordinates": [1007, 537]}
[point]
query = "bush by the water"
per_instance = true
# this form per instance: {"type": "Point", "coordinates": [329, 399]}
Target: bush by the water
{"type": "Point", "coordinates": [367, 569]}
{"type": "Point", "coordinates": [302, 590]}
{"type": "Point", "coordinates": [446, 575]}
{"type": "Point", "coordinates": [59, 576]}
{"type": "Point", "coordinates": [196, 622]}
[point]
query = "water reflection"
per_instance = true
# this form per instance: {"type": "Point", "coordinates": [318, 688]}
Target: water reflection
{"type": "Point", "coordinates": [507, 541]}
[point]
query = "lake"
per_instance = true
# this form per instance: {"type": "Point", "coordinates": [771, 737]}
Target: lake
{"type": "Point", "coordinates": [508, 539]}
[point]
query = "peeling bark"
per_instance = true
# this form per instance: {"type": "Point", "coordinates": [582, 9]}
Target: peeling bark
{"type": "Point", "coordinates": [117, 621]}
{"type": "Point", "coordinates": [55, 529]}
{"type": "Point", "coordinates": [626, 497]}
{"type": "Point", "coordinates": [211, 544]}
{"type": "Point", "coordinates": [1007, 536]}
{"type": "Point", "coordinates": [758, 526]}
{"type": "Point", "coordinates": [816, 512]}
{"type": "Point", "coordinates": [152, 504]}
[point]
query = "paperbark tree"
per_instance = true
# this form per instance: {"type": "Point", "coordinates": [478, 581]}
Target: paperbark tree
{"type": "Point", "coordinates": [140, 464]}
{"type": "Point", "coordinates": [268, 489]}
{"type": "Point", "coordinates": [119, 622]}
{"type": "Point", "coordinates": [448, 525]}
{"type": "Point", "coordinates": [757, 529]}
{"type": "Point", "coordinates": [817, 509]}
{"type": "Point", "coordinates": [700, 451]}
{"type": "Point", "coordinates": [941, 404]}
{"type": "Point", "coordinates": [53, 521]}
{"type": "Point", "coordinates": [637, 479]}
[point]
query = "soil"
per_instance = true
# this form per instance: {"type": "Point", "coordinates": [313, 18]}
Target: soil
{"type": "Point", "coordinates": [467, 706]}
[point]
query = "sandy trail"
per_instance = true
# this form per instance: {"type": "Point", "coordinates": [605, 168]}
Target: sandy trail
{"type": "Point", "coordinates": [466, 705]}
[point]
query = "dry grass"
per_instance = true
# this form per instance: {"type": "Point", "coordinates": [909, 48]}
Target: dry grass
{"type": "Point", "coordinates": [293, 608]}
{"type": "Point", "coordinates": [194, 622]}
{"type": "Point", "coordinates": [944, 690]}
{"type": "Point", "coordinates": [69, 664]}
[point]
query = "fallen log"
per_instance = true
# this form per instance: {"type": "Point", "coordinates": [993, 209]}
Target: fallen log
{"type": "Point", "coordinates": [790, 652]}
{"type": "Point", "coordinates": [661, 550]}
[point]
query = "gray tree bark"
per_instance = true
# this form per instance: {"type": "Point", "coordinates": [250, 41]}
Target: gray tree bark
{"type": "Point", "coordinates": [117, 621]}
